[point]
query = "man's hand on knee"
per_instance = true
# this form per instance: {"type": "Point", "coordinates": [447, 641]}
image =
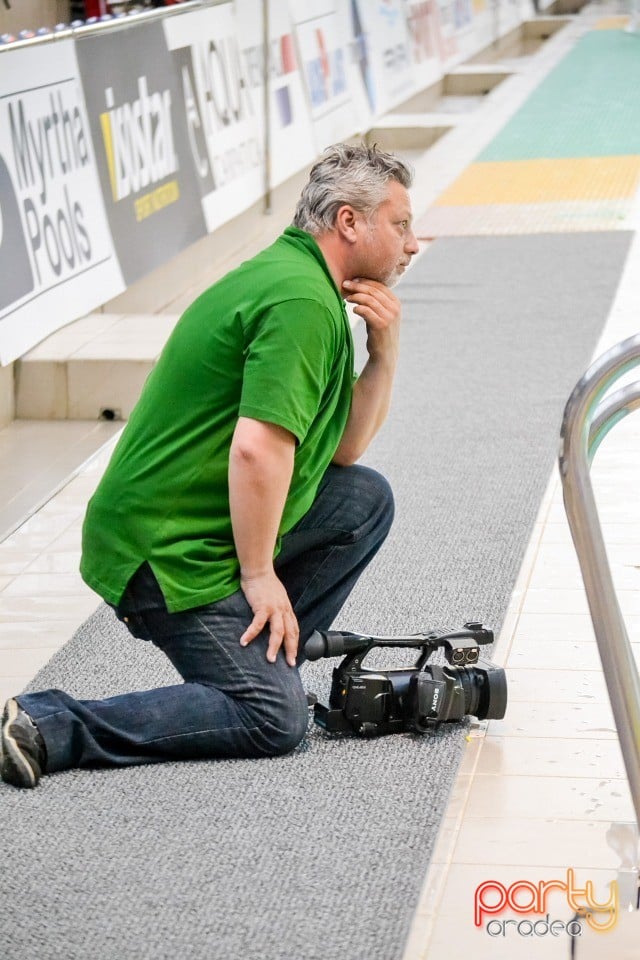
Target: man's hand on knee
{"type": "Point", "coordinates": [270, 603]}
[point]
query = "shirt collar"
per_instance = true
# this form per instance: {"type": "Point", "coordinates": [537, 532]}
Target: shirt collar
{"type": "Point", "coordinates": [301, 238]}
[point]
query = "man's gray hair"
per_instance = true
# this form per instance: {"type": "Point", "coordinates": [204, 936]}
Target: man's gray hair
{"type": "Point", "coordinates": [347, 174]}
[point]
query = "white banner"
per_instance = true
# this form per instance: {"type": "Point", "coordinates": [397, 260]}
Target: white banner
{"type": "Point", "coordinates": [223, 116]}
{"type": "Point", "coordinates": [57, 261]}
{"type": "Point", "coordinates": [427, 46]}
{"type": "Point", "coordinates": [291, 133]}
{"type": "Point", "coordinates": [387, 35]}
{"type": "Point", "coordinates": [337, 73]}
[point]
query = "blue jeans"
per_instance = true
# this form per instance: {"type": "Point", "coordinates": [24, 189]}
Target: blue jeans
{"type": "Point", "coordinates": [233, 702]}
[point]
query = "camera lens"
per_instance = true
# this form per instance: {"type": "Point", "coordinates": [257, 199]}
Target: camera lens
{"type": "Point", "coordinates": [485, 690]}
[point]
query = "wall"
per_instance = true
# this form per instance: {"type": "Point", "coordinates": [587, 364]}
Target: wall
{"type": "Point", "coordinates": [125, 150]}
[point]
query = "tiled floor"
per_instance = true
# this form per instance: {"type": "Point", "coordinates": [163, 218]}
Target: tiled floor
{"type": "Point", "coordinates": [42, 597]}
{"type": "Point", "coordinates": [539, 792]}
{"type": "Point", "coordinates": [545, 789]}
{"type": "Point", "coordinates": [38, 457]}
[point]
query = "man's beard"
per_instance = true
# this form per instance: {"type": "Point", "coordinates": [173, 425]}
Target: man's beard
{"type": "Point", "coordinates": [393, 277]}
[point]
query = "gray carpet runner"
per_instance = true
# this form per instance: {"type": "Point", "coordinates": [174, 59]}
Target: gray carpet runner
{"type": "Point", "coordinates": [321, 855]}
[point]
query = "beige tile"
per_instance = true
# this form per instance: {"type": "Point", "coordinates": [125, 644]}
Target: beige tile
{"type": "Point", "coordinates": [586, 721]}
{"type": "Point", "coordinates": [20, 663]}
{"type": "Point", "coordinates": [47, 585]}
{"type": "Point", "coordinates": [154, 328]}
{"type": "Point", "coordinates": [78, 490]}
{"type": "Point", "coordinates": [575, 601]}
{"type": "Point", "coordinates": [614, 511]}
{"type": "Point", "coordinates": [122, 350]}
{"type": "Point", "coordinates": [56, 348]}
{"type": "Point", "coordinates": [14, 561]}
{"type": "Point", "coordinates": [542, 842]}
{"type": "Point", "coordinates": [98, 384]}
{"type": "Point", "coordinates": [504, 640]}
{"type": "Point", "coordinates": [558, 533]}
{"type": "Point", "coordinates": [458, 796]}
{"type": "Point", "coordinates": [621, 942]}
{"type": "Point", "coordinates": [30, 541]}
{"type": "Point", "coordinates": [46, 522]}
{"type": "Point", "coordinates": [540, 655]}
{"type": "Point", "coordinates": [143, 320]}
{"type": "Point", "coordinates": [562, 798]}
{"type": "Point", "coordinates": [10, 686]}
{"type": "Point", "coordinates": [559, 576]}
{"type": "Point", "coordinates": [41, 389]}
{"type": "Point", "coordinates": [43, 609]}
{"type": "Point", "coordinates": [546, 685]}
{"type": "Point", "coordinates": [621, 532]}
{"type": "Point", "coordinates": [472, 751]}
{"type": "Point", "coordinates": [21, 635]}
{"type": "Point", "coordinates": [445, 843]}
{"type": "Point", "coordinates": [62, 343]}
{"type": "Point", "coordinates": [37, 458]}
{"type": "Point", "coordinates": [555, 627]}
{"type": "Point", "coordinates": [549, 757]}
{"type": "Point", "coordinates": [69, 541]}
{"type": "Point", "coordinates": [67, 561]}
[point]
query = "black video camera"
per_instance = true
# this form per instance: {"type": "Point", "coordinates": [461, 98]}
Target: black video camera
{"type": "Point", "coordinates": [418, 698]}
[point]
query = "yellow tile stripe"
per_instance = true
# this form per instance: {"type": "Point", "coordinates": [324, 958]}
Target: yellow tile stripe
{"type": "Point", "coordinates": [544, 181]}
{"type": "Point", "coordinates": [612, 23]}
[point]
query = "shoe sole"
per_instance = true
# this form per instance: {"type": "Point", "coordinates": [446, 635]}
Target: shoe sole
{"type": "Point", "coordinates": [13, 760]}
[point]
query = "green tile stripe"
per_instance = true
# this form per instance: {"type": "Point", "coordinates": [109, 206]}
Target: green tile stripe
{"type": "Point", "coordinates": [588, 106]}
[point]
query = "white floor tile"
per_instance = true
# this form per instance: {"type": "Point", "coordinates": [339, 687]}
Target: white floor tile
{"type": "Point", "coordinates": [550, 757]}
{"type": "Point", "coordinates": [25, 634]}
{"type": "Point", "coordinates": [530, 842]}
{"type": "Point", "coordinates": [562, 798]}
{"type": "Point", "coordinates": [20, 663]}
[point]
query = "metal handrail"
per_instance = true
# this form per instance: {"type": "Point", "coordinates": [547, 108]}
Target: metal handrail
{"type": "Point", "coordinates": [587, 420]}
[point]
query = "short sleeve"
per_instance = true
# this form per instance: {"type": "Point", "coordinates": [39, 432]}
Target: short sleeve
{"type": "Point", "coordinates": [289, 356]}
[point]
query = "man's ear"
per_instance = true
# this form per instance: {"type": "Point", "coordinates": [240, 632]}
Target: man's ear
{"type": "Point", "coordinates": [345, 223]}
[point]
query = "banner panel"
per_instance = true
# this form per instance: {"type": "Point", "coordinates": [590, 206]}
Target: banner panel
{"type": "Point", "coordinates": [291, 134]}
{"type": "Point", "coordinates": [428, 46]}
{"type": "Point", "coordinates": [224, 123]}
{"type": "Point", "coordinates": [335, 62]}
{"type": "Point", "coordinates": [386, 33]}
{"type": "Point", "coordinates": [57, 260]}
{"type": "Point", "coordinates": [139, 127]}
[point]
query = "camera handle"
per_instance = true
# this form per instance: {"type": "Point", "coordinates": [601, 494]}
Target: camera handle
{"type": "Point", "coordinates": [459, 645]}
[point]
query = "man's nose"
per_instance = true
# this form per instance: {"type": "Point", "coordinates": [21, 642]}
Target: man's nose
{"type": "Point", "coordinates": [411, 245]}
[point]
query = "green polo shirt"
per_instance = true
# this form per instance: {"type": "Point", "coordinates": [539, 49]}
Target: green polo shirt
{"type": "Point", "coordinates": [271, 341]}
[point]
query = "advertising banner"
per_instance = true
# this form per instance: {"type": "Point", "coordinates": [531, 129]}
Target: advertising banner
{"type": "Point", "coordinates": [387, 36]}
{"type": "Point", "coordinates": [335, 62]}
{"type": "Point", "coordinates": [291, 134]}
{"type": "Point", "coordinates": [223, 118]}
{"type": "Point", "coordinates": [56, 257]}
{"type": "Point", "coordinates": [429, 47]}
{"type": "Point", "coordinates": [141, 136]}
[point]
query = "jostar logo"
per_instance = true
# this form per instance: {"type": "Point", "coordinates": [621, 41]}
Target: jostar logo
{"type": "Point", "coordinates": [531, 900]}
{"type": "Point", "coordinates": [138, 140]}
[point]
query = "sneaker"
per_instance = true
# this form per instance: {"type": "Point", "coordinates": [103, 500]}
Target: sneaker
{"type": "Point", "coordinates": [23, 750]}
